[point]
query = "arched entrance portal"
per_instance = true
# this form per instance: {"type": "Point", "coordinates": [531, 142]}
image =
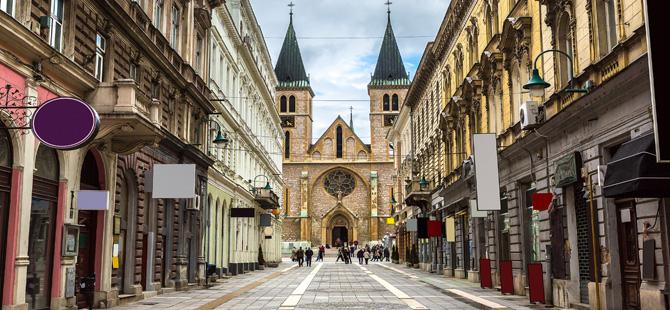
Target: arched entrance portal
{"type": "Point", "coordinates": [339, 223]}
{"type": "Point", "coordinates": [342, 233]}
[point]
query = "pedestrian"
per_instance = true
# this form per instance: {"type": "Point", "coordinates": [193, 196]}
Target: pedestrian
{"type": "Point", "coordinates": [366, 255]}
{"type": "Point", "coordinates": [309, 254]}
{"type": "Point", "coordinates": [294, 257]}
{"type": "Point", "coordinates": [360, 256]}
{"type": "Point", "coordinates": [323, 252]}
{"type": "Point", "coordinates": [386, 254]}
{"type": "Point", "coordinates": [300, 254]}
{"type": "Point", "coordinates": [319, 256]}
{"type": "Point", "coordinates": [339, 255]}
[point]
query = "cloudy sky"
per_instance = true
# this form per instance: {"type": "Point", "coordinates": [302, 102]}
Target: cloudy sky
{"type": "Point", "coordinates": [340, 41]}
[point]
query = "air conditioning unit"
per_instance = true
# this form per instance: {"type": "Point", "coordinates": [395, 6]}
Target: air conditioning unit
{"type": "Point", "coordinates": [35, 27]}
{"type": "Point", "coordinates": [247, 39]}
{"type": "Point", "coordinates": [528, 115]}
{"type": "Point", "coordinates": [195, 206]}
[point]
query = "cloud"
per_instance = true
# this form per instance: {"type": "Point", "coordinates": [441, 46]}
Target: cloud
{"type": "Point", "coordinates": [340, 41]}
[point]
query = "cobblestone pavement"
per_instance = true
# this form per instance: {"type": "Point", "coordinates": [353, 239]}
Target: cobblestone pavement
{"type": "Point", "coordinates": [329, 285]}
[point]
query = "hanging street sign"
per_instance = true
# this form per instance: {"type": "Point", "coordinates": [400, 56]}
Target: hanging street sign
{"type": "Point", "coordinates": [65, 123]}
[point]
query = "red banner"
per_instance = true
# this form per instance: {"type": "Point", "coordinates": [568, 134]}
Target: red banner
{"type": "Point", "coordinates": [541, 201]}
{"type": "Point", "coordinates": [434, 228]}
{"type": "Point", "coordinates": [535, 283]}
{"type": "Point", "coordinates": [506, 278]}
{"type": "Point", "coordinates": [485, 273]}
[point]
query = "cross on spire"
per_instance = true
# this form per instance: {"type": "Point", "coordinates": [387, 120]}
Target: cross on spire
{"type": "Point", "coordinates": [388, 4]}
{"type": "Point", "coordinates": [291, 5]}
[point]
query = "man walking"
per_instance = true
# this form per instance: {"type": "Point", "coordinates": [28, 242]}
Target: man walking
{"type": "Point", "coordinates": [339, 255]}
{"type": "Point", "coordinates": [366, 255]}
{"type": "Point", "coordinates": [386, 254]}
{"type": "Point", "coordinates": [300, 254]}
{"type": "Point", "coordinates": [309, 254]}
{"type": "Point", "coordinates": [360, 256]}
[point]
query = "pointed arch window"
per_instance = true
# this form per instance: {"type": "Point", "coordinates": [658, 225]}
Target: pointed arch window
{"type": "Point", "coordinates": [385, 103]}
{"type": "Point", "coordinates": [291, 104]}
{"type": "Point", "coordinates": [287, 145]}
{"type": "Point", "coordinates": [339, 141]}
{"type": "Point", "coordinates": [282, 104]}
{"type": "Point", "coordinates": [394, 102]}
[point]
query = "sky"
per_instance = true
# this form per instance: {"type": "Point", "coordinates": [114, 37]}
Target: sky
{"type": "Point", "coordinates": [340, 41]}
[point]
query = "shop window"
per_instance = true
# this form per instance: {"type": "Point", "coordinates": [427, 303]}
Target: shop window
{"type": "Point", "coordinates": [531, 224]}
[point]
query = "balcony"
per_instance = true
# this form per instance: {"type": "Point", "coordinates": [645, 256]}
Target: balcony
{"type": "Point", "coordinates": [416, 195]}
{"type": "Point", "coordinates": [266, 198]}
{"type": "Point", "coordinates": [129, 120]}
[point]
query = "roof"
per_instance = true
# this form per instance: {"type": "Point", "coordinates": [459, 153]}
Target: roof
{"type": "Point", "coordinates": [338, 121]}
{"type": "Point", "coordinates": [290, 69]}
{"type": "Point", "coordinates": [390, 69]}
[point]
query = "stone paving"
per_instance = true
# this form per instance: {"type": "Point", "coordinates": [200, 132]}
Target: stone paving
{"type": "Point", "coordinates": [337, 286]}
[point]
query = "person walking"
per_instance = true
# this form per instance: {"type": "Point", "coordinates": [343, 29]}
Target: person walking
{"type": "Point", "coordinates": [386, 254]}
{"type": "Point", "coordinates": [366, 255]}
{"type": "Point", "coordinates": [319, 256]}
{"type": "Point", "coordinates": [308, 255]}
{"type": "Point", "coordinates": [294, 257]}
{"type": "Point", "coordinates": [339, 255]}
{"type": "Point", "coordinates": [300, 254]}
{"type": "Point", "coordinates": [360, 256]}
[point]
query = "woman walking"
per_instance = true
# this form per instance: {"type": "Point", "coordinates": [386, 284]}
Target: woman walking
{"type": "Point", "coordinates": [293, 255]}
{"type": "Point", "coordinates": [366, 255]}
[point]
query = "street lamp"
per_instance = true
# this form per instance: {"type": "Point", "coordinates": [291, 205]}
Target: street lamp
{"type": "Point", "coordinates": [220, 141]}
{"type": "Point", "coordinates": [423, 184]}
{"type": "Point", "coordinates": [536, 84]}
{"type": "Point", "coordinates": [267, 185]}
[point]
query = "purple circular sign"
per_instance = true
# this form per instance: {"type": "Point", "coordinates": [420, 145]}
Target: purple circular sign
{"type": "Point", "coordinates": [65, 123]}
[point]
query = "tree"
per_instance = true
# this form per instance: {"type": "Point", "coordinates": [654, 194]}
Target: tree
{"type": "Point", "coordinates": [261, 261]}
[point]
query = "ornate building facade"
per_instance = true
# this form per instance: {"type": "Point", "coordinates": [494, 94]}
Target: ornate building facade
{"type": "Point", "coordinates": [338, 186]}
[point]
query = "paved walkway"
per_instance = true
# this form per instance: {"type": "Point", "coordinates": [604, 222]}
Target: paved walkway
{"type": "Point", "coordinates": [329, 285]}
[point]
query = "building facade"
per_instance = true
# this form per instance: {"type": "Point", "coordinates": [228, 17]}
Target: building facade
{"type": "Point", "coordinates": [470, 80]}
{"type": "Point", "coordinates": [241, 76]}
{"type": "Point", "coordinates": [337, 187]}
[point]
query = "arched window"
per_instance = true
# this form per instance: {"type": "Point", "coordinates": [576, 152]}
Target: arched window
{"type": "Point", "coordinates": [287, 144]}
{"type": "Point", "coordinates": [339, 141]}
{"type": "Point", "coordinates": [394, 103]}
{"type": "Point", "coordinates": [564, 42]}
{"type": "Point", "coordinates": [5, 149]}
{"type": "Point", "coordinates": [282, 104]}
{"type": "Point", "coordinates": [385, 105]}
{"type": "Point", "coordinates": [291, 104]}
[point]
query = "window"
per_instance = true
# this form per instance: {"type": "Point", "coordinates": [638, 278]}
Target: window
{"type": "Point", "coordinates": [282, 104]}
{"type": "Point", "coordinates": [286, 201]}
{"type": "Point", "coordinates": [385, 103]}
{"type": "Point", "coordinates": [133, 71]}
{"type": "Point", "coordinates": [7, 6]}
{"type": "Point", "coordinates": [564, 42]}
{"type": "Point", "coordinates": [612, 37]}
{"type": "Point", "coordinates": [100, 43]}
{"type": "Point", "coordinates": [339, 141]}
{"type": "Point", "coordinates": [175, 28]}
{"type": "Point", "coordinates": [287, 145]}
{"type": "Point", "coordinates": [532, 224]}
{"type": "Point", "coordinates": [291, 104]}
{"type": "Point", "coordinates": [394, 103]}
{"type": "Point", "coordinates": [56, 25]}
{"type": "Point", "coordinates": [158, 18]}
{"type": "Point", "coordinates": [198, 53]}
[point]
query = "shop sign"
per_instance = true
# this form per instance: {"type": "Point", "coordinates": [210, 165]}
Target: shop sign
{"type": "Point", "coordinates": [566, 169]}
{"type": "Point", "coordinates": [65, 123]}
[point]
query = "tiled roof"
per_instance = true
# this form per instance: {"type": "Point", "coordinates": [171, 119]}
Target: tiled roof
{"type": "Point", "coordinates": [290, 69]}
{"type": "Point", "coordinates": [390, 69]}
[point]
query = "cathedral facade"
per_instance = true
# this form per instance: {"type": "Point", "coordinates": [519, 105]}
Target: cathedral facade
{"type": "Point", "coordinates": [338, 186]}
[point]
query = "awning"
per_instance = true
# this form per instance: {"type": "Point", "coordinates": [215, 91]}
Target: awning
{"type": "Point", "coordinates": [634, 173]}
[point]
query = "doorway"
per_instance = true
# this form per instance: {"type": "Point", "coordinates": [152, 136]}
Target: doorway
{"type": "Point", "coordinates": [628, 253]}
{"type": "Point", "coordinates": [90, 179]}
{"type": "Point", "coordinates": [342, 233]}
{"type": "Point", "coordinates": [5, 189]}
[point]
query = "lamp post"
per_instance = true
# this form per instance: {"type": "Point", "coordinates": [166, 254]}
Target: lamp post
{"type": "Point", "coordinates": [220, 141]}
{"type": "Point", "coordinates": [267, 185]}
{"type": "Point", "coordinates": [536, 84]}
{"type": "Point", "coordinates": [423, 184]}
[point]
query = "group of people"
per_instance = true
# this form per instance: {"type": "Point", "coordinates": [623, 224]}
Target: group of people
{"type": "Point", "coordinates": [344, 253]}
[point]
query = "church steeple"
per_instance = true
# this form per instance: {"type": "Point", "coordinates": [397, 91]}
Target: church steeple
{"type": "Point", "coordinates": [390, 69]}
{"type": "Point", "coordinates": [290, 69]}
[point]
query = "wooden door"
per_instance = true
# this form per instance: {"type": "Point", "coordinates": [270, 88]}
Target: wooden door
{"type": "Point", "coordinates": [86, 254]}
{"type": "Point", "coordinates": [628, 253]}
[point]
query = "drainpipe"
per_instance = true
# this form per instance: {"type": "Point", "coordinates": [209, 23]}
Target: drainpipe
{"type": "Point", "coordinates": [593, 237]}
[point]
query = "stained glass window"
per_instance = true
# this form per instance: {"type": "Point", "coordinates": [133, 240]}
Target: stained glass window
{"type": "Point", "coordinates": [339, 183]}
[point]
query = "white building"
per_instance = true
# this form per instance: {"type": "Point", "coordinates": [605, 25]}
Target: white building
{"type": "Point", "coordinates": [242, 81]}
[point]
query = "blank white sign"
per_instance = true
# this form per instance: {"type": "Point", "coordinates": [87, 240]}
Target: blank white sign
{"type": "Point", "coordinates": [486, 172]}
{"type": "Point", "coordinates": [92, 200]}
{"type": "Point", "coordinates": [474, 212]}
{"type": "Point", "coordinates": [412, 225]}
{"type": "Point", "coordinates": [174, 181]}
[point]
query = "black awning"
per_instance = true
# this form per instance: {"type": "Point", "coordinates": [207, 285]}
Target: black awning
{"type": "Point", "coordinates": [634, 173]}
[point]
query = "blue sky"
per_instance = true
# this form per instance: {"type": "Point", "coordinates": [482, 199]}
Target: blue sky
{"type": "Point", "coordinates": [340, 41]}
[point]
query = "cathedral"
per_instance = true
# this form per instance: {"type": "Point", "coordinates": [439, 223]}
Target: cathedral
{"type": "Point", "coordinates": [338, 186]}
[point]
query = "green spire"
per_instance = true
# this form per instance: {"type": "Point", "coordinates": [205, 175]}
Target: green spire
{"type": "Point", "coordinates": [390, 69]}
{"type": "Point", "coordinates": [290, 69]}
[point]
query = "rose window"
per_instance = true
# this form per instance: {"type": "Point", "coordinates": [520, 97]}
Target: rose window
{"type": "Point", "coordinates": [339, 183]}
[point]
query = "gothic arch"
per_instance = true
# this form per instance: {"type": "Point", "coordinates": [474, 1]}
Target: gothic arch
{"type": "Point", "coordinates": [337, 217]}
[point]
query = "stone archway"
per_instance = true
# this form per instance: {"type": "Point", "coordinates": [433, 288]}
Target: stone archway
{"type": "Point", "coordinates": [337, 222]}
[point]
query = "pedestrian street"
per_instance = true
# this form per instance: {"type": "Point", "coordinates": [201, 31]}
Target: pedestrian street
{"type": "Point", "coordinates": [336, 285]}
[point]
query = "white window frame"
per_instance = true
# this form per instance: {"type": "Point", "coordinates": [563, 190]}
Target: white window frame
{"type": "Point", "coordinates": [133, 71]}
{"type": "Point", "coordinates": [100, 46]}
{"type": "Point", "coordinates": [158, 14]}
{"type": "Point", "coordinates": [7, 6]}
{"type": "Point", "coordinates": [56, 25]}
